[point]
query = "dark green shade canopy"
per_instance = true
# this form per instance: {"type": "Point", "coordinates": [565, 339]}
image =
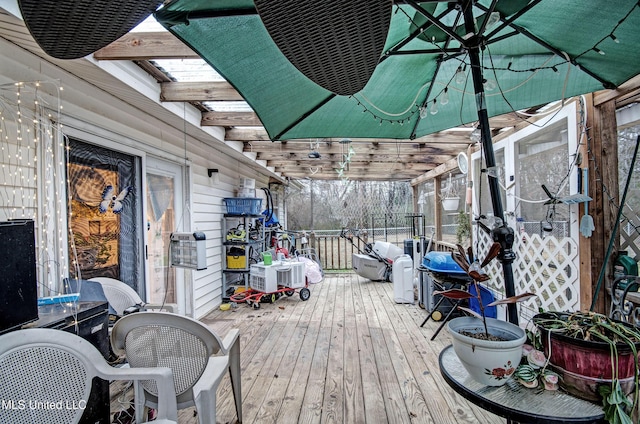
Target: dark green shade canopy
{"type": "Point", "coordinates": [538, 51]}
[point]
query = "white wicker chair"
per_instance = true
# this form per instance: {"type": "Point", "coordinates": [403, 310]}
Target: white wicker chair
{"type": "Point", "coordinates": [195, 354]}
{"type": "Point", "coordinates": [43, 367]}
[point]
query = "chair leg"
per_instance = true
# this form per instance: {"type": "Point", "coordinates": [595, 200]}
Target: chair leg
{"type": "Point", "coordinates": [206, 406]}
{"type": "Point", "coordinates": [234, 374]}
{"type": "Point", "coordinates": [139, 401]}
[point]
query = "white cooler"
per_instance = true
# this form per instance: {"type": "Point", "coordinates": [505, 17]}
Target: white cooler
{"type": "Point", "coordinates": [403, 279]}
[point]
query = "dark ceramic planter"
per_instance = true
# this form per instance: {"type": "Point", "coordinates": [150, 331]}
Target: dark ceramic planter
{"type": "Point", "coordinates": [585, 365]}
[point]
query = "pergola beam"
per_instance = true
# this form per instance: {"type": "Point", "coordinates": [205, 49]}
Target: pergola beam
{"type": "Point", "coordinates": [198, 92]}
{"type": "Point", "coordinates": [146, 46]}
{"type": "Point", "coordinates": [395, 149]}
{"type": "Point", "coordinates": [230, 119]}
{"type": "Point", "coordinates": [363, 164]}
{"type": "Point", "coordinates": [351, 175]}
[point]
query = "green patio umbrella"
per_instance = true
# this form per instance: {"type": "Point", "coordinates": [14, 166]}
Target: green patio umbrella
{"type": "Point", "coordinates": [443, 64]}
{"type": "Point", "coordinates": [535, 52]}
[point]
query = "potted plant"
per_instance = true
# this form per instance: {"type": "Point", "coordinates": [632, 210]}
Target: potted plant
{"type": "Point", "coordinates": [595, 357]}
{"type": "Point", "coordinates": [463, 228]}
{"type": "Point", "coordinates": [490, 349]}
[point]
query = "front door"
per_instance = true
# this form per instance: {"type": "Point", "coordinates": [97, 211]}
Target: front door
{"type": "Point", "coordinates": [164, 216]}
{"type": "Point", "coordinates": [104, 214]}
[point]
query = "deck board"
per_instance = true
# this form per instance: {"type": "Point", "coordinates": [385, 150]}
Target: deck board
{"type": "Point", "coordinates": [349, 354]}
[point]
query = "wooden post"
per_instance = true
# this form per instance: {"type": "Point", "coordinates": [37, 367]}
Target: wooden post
{"type": "Point", "coordinates": [585, 268]}
{"type": "Point", "coordinates": [603, 166]}
{"type": "Point", "coordinates": [437, 215]}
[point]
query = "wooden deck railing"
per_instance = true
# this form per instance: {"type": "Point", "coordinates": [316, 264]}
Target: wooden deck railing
{"type": "Point", "coordinates": [335, 252]}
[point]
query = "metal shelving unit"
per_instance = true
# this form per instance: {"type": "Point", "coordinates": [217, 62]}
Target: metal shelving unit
{"type": "Point", "coordinates": [240, 234]}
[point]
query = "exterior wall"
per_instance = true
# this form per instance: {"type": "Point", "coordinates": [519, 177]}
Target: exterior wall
{"type": "Point", "coordinates": [105, 117]}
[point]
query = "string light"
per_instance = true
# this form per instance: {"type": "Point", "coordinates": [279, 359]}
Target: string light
{"type": "Point", "coordinates": [434, 107]}
{"type": "Point", "coordinates": [32, 175]}
{"type": "Point", "coordinates": [596, 48]}
{"type": "Point", "coordinates": [461, 75]}
{"type": "Point", "coordinates": [460, 78]}
{"type": "Point", "coordinates": [489, 84]}
{"type": "Point", "coordinates": [444, 98]}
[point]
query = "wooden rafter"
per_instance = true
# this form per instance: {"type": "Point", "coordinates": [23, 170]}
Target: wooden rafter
{"type": "Point", "coordinates": [360, 175]}
{"type": "Point", "coordinates": [198, 92]}
{"type": "Point", "coordinates": [361, 147]}
{"type": "Point", "coordinates": [146, 46]}
{"type": "Point", "coordinates": [424, 162]}
{"type": "Point", "coordinates": [228, 119]}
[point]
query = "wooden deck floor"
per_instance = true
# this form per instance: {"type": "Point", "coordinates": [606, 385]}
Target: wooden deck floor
{"type": "Point", "coordinates": [349, 354]}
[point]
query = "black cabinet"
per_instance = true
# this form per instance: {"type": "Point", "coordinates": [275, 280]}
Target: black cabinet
{"type": "Point", "coordinates": [18, 284]}
{"type": "Point", "coordinates": [90, 321]}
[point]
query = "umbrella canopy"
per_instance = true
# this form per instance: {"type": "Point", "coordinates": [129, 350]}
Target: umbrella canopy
{"type": "Point", "coordinates": [443, 64]}
{"type": "Point", "coordinates": [530, 52]}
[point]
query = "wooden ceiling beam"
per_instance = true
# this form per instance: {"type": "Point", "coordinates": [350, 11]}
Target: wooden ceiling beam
{"type": "Point", "coordinates": [198, 92]}
{"type": "Point", "coordinates": [506, 120]}
{"type": "Point", "coordinates": [395, 149]}
{"type": "Point", "coordinates": [229, 119]}
{"type": "Point", "coordinates": [416, 166]}
{"type": "Point", "coordinates": [247, 134]}
{"type": "Point", "coordinates": [426, 161]}
{"type": "Point", "coordinates": [146, 46]}
{"type": "Point", "coordinates": [444, 167]}
{"type": "Point", "coordinates": [385, 175]}
{"type": "Point", "coordinates": [260, 134]}
{"type": "Point", "coordinates": [622, 91]}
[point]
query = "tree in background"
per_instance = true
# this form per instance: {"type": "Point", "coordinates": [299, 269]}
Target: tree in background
{"type": "Point", "coordinates": [331, 205]}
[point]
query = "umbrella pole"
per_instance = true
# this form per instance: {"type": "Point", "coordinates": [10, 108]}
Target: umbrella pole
{"type": "Point", "coordinates": [502, 234]}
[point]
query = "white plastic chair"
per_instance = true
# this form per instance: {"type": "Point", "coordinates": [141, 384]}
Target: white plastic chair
{"type": "Point", "coordinates": [43, 367]}
{"type": "Point", "coordinates": [195, 354]}
{"type": "Point", "coordinates": [121, 296]}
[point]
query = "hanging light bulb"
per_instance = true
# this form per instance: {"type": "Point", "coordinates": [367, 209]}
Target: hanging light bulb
{"type": "Point", "coordinates": [351, 151]}
{"type": "Point", "coordinates": [434, 107]}
{"type": "Point", "coordinates": [423, 112]}
{"type": "Point", "coordinates": [475, 135]}
{"type": "Point", "coordinates": [460, 76]}
{"type": "Point", "coordinates": [489, 84]}
{"type": "Point", "coordinates": [444, 98]}
{"type": "Point", "coordinates": [493, 19]}
{"type": "Point", "coordinates": [614, 38]}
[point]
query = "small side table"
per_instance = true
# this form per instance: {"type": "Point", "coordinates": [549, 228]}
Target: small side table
{"type": "Point", "coordinates": [515, 402]}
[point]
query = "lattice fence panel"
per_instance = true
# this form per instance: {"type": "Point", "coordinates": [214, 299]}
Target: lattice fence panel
{"type": "Point", "coordinates": [545, 266]}
{"type": "Point", "coordinates": [629, 238]}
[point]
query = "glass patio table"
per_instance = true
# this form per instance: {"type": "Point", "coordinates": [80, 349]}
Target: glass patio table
{"type": "Point", "coordinates": [515, 402]}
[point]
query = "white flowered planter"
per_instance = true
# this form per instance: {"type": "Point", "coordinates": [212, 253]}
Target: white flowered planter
{"type": "Point", "coordinates": [488, 362]}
